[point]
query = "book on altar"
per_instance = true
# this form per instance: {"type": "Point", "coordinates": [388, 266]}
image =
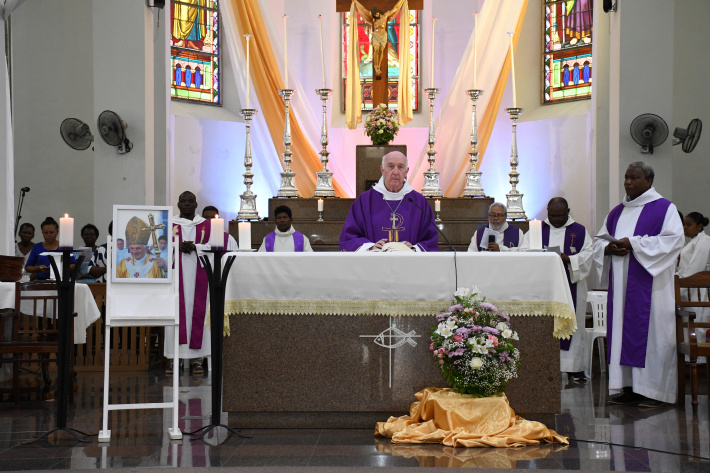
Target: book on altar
{"type": "Point", "coordinates": [393, 246]}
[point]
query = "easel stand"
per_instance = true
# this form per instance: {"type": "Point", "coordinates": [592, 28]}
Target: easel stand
{"type": "Point", "coordinates": [217, 280]}
{"type": "Point", "coordinates": [65, 319]}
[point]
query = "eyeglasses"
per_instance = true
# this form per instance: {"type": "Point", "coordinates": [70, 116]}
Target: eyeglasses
{"type": "Point", "coordinates": [496, 215]}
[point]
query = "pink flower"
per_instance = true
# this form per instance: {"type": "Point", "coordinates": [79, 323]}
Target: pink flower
{"type": "Point", "coordinates": [431, 347]}
{"type": "Point", "coordinates": [441, 362]}
{"type": "Point", "coordinates": [494, 339]}
{"type": "Point", "coordinates": [457, 339]}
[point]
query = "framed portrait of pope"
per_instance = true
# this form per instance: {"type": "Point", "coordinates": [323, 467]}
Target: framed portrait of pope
{"type": "Point", "coordinates": [142, 244]}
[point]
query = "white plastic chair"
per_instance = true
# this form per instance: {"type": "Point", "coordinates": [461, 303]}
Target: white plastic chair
{"type": "Point", "coordinates": [598, 331]}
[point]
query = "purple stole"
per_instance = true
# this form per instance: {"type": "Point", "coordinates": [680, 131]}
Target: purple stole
{"type": "Point", "coordinates": [511, 236]}
{"type": "Point", "coordinates": [199, 307]}
{"type": "Point", "coordinates": [571, 232]}
{"type": "Point", "coordinates": [639, 285]}
{"type": "Point", "coordinates": [297, 241]}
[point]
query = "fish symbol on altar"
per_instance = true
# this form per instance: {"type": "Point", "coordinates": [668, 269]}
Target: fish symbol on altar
{"type": "Point", "coordinates": [393, 337]}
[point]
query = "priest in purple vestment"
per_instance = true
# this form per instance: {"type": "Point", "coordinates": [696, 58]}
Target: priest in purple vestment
{"type": "Point", "coordinates": [636, 251]}
{"type": "Point", "coordinates": [497, 234]}
{"type": "Point", "coordinates": [390, 212]}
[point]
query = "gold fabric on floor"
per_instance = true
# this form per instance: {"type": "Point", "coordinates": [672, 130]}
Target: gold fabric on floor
{"type": "Point", "coordinates": [461, 420]}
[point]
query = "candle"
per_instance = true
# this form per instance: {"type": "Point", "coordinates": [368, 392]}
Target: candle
{"type": "Point", "coordinates": [437, 205]}
{"type": "Point", "coordinates": [475, 47]}
{"type": "Point", "coordinates": [431, 66]}
{"type": "Point", "coordinates": [247, 36]}
{"type": "Point", "coordinates": [320, 205]}
{"type": "Point", "coordinates": [217, 233]}
{"type": "Point", "coordinates": [66, 232]}
{"type": "Point", "coordinates": [244, 235]}
{"type": "Point", "coordinates": [512, 66]}
{"type": "Point", "coordinates": [535, 232]}
{"type": "Point", "coordinates": [285, 56]}
{"type": "Point", "coordinates": [322, 55]}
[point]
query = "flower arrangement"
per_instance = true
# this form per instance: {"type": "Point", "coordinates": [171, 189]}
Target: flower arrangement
{"type": "Point", "coordinates": [381, 125]}
{"type": "Point", "coordinates": [474, 345]}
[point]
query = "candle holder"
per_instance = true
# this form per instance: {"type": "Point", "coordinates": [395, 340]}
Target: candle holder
{"type": "Point", "coordinates": [320, 216]}
{"type": "Point", "coordinates": [324, 178]}
{"type": "Point", "coordinates": [247, 205]}
{"type": "Point", "coordinates": [288, 188]}
{"type": "Point", "coordinates": [473, 177]}
{"type": "Point", "coordinates": [438, 215]}
{"type": "Point", "coordinates": [514, 198]}
{"type": "Point", "coordinates": [431, 177]}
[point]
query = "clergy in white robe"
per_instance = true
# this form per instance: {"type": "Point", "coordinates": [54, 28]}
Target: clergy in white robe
{"type": "Point", "coordinates": [560, 231]}
{"type": "Point", "coordinates": [636, 251]}
{"type": "Point", "coordinates": [497, 234]}
{"type": "Point", "coordinates": [285, 238]}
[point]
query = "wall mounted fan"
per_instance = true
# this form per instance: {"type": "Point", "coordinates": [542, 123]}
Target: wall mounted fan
{"type": "Point", "coordinates": [688, 137]}
{"type": "Point", "coordinates": [649, 131]}
{"type": "Point", "coordinates": [113, 131]}
{"type": "Point", "coordinates": [76, 133]}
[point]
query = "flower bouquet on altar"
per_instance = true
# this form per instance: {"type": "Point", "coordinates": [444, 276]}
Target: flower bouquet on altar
{"type": "Point", "coordinates": [474, 345]}
{"type": "Point", "coordinates": [381, 125]}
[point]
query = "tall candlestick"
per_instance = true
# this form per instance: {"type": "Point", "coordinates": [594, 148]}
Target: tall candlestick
{"type": "Point", "coordinates": [322, 55]}
{"type": "Point", "coordinates": [535, 234]}
{"type": "Point", "coordinates": [475, 47]}
{"type": "Point", "coordinates": [285, 55]}
{"type": "Point", "coordinates": [66, 232]}
{"type": "Point", "coordinates": [247, 36]}
{"type": "Point", "coordinates": [512, 67]}
{"type": "Point", "coordinates": [244, 235]}
{"type": "Point", "coordinates": [217, 233]}
{"type": "Point", "coordinates": [431, 66]}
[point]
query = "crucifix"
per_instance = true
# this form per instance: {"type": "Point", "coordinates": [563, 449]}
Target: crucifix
{"type": "Point", "coordinates": [393, 232]}
{"type": "Point", "coordinates": [153, 227]}
{"type": "Point", "coordinates": [378, 13]}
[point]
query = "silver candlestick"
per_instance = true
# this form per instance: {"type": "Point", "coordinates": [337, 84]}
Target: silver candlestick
{"type": "Point", "coordinates": [431, 177]}
{"type": "Point", "coordinates": [473, 177]}
{"type": "Point", "coordinates": [288, 188]}
{"type": "Point", "coordinates": [515, 198]}
{"type": "Point", "coordinates": [324, 178]}
{"type": "Point", "coordinates": [247, 205]}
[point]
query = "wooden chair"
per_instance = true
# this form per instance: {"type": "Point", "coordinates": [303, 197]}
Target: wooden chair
{"type": "Point", "coordinates": [34, 338]}
{"type": "Point", "coordinates": [695, 288]}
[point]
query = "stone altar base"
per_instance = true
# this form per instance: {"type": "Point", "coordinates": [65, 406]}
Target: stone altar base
{"type": "Point", "coordinates": [321, 371]}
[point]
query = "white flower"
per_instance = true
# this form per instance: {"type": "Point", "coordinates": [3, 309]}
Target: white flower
{"type": "Point", "coordinates": [501, 327]}
{"type": "Point", "coordinates": [451, 323]}
{"type": "Point", "coordinates": [477, 347]}
{"type": "Point", "coordinates": [462, 292]}
{"type": "Point", "coordinates": [515, 336]}
{"type": "Point", "coordinates": [444, 330]}
{"type": "Point", "coordinates": [381, 131]}
{"type": "Point", "coordinates": [475, 289]}
{"type": "Point", "coordinates": [381, 121]}
{"type": "Point", "coordinates": [476, 363]}
{"type": "Point", "coordinates": [507, 333]}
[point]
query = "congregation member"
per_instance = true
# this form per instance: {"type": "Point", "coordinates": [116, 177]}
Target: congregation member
{"type": "Point", "coordinates": [210, 212]}
{"type": "Point", "coordinates": [121, 250]}
{"type": "Point", "coordinates": [575, 247]}
{"type": "Point", "coordinates": [24, 246]}
{"type": "Point", "coordinates": [636, 251]}
{"type": "Point", "coordinates": [390, 212]}
{"type": "Point", "coordinates": [141, 263]}
{"type": "Point", "coordinates": [38, 265]}
{"type": "Point", "coordinates": [285, 238]}
{"type": "Point", "coordinates": [89, 233]}
{"type": "Point", "coordinates": [497, 234]}
{"type": "Point", "coordinates": [97, 265]}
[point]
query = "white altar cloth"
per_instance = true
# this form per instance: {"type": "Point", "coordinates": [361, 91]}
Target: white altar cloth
{"type": "Point", "coordinates": [398, 283]}
{"type": "Point", "coordinates": [84, 306]}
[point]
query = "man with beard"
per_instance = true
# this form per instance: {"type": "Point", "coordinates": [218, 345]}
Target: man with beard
{"type": "Point", "coordinates": [497, 235]}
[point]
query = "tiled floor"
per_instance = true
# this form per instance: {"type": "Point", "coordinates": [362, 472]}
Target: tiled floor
{"type": "Point", "coordinates": [603, 438]}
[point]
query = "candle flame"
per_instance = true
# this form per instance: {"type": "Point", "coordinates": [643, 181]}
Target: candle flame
{"type": "Point", "coordinates": [216, 215]}
{"type": "Point", "coordinates": [66, 215]}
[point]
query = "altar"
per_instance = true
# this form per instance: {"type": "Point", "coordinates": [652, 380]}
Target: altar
{"type": "Point", "coordinates": [341, 340]}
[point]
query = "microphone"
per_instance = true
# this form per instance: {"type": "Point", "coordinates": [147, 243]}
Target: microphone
{"type": "Point", "coordinates": [25, 189]}
{"type": "Point", "coordinates": [491, 239]}
{"type": "Point", "coordinates": [451, 247]}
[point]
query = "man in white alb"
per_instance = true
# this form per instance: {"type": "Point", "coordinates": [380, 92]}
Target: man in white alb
{"type": "Point", "coordinates": [285, 237]}
{"type": "Point", "coordinates": [496, 235]}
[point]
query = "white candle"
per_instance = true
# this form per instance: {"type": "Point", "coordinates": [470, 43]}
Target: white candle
{"type": "Point", "coordinates": [248, 78]}
{"type": "Point", "coordinates": [217, 233]}
{"type": "Point", "coordinates": [535, 231]}
{"type": "Point", "coordinates": [66, 232]}
{"type": "Point", "coordinates": [475, 47]}
{"type": "Point", "coordinates": [320, 205]}
{"type": "Point", "coordinates": [431, 66]}
{"type": "Point", "coordinates": [322, 55]}
{"type": "Point", "coordinates": [285, 56]}
{"type": "Point", "coordinates": [437, 205]}
{"type": "Point", "coordinates": [512, 67]}
{"type": "Point", "coordinates": [244, 235]}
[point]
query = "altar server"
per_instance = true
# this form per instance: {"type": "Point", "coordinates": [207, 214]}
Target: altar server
{"type": "Point", "coordinates": [496, 235]}
{"type": "Point", "coordinates": [390, 212]}
{"type": "Point", "coordinates": [560, 231]}
{"type": "Point", "coordinates": [636, 249]}
{"type": "Point", "coordinates": [285, 237]}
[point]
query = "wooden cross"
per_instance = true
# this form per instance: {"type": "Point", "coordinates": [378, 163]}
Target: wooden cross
{"type": "Point", "coordinates": [380, 91]}
{"type": "Point", "coordinates": [153, 227]}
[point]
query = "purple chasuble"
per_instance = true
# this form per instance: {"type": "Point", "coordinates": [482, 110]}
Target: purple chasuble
{"type": "Point", "coordinates": [639, 286]}
{"type": "Point", "coordinates": [571, 232]}
{"type": "Point", "coordinates": [297, 241]}
{"type": "Point", "coordinates": [370, 220]}
{"type": "Point", "coordinates": [199, 306]}
{"type": "Point", "coordinates": [511, 236]}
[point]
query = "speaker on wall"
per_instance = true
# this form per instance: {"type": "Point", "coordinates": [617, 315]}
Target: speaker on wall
{"type": "Point", "coordinates": [609, 5]}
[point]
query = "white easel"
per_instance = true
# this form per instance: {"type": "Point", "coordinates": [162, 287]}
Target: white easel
{"type": "Point", "coordinates": [140, 305]}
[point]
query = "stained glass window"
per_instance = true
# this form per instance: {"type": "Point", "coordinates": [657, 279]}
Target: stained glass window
{"type": "Point", "coordinates": [194, 51]}
{"type": "Point", "coordinates": [365, 54]}
{"type": "Point", "coordinates": [567, 52]}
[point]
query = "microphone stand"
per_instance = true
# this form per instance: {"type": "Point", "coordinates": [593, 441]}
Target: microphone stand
{"type": "Point", "coordinates": [19, 209]}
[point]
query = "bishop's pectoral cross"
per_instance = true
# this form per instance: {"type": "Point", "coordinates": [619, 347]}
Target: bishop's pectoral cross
{"type": "Point", "coordinates": [153, 227]}
{"type": "Point", "coordinates": [380, 90]}
{"type": "Point", "coordinates": [397, 226]}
